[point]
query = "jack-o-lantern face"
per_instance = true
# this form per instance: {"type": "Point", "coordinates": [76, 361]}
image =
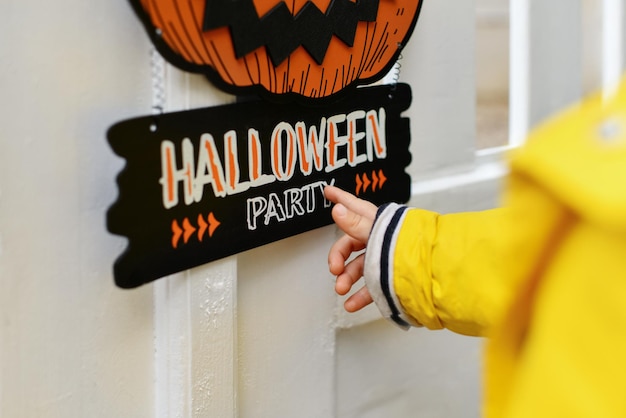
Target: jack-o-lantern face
{"type": "Point", "coordinates": [309, 49]}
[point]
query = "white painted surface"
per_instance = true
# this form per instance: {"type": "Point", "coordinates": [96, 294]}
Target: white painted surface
{"type": "Point", "coordinates": [519, 72]}
{"type": "Point", "coordinates": [555, 58]}
{"type": "Point", "coordinates": [71, 344]}
{"type": "Point", "coordinates": [612, 45]}
{"type": "Point", "coordinates": [623, 34]}
{"type": "Point", "coordinates": [260, 334]}
{"type": "Point", "coordinates": [195, 327]}
{"type": "Point", "coordinates": [286, 329]}
{"type": "Point", "coordinates": [375, 380]}
{"type": "Point", "coordinates": [439, 66]}
{"type": "Point", "coordinates": [546, 61]}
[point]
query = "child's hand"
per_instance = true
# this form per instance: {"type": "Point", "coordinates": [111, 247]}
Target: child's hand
{"type": "Point", "coordinates": [355, 217]}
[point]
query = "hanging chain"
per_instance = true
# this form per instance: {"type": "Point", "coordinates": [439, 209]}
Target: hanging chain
{"type": "Point", "coordinates": [157, 72]}
{"type": "Point", "coordinates": [393, 76]}
{"type": "Point", "coordinates": [395, 70]}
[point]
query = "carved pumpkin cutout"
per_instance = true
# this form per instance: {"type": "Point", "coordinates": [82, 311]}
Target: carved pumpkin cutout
{"type": "Point", "coordinates": [303, 49]}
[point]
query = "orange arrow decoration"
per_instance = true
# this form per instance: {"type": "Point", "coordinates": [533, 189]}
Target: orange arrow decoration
{"type": "Point", "coordinates": [213, 223]}
{"type": "Point", "coordinates": [189, 229]}
{"type": "Point", "coordinates": [358, 184]}
{"type": "Point", "coordinates": [381, 178]}
{"type": "Point", "coordinates": [363, 182]}
{"type": "Point", "coordinates": [366, 182]}
{"type": "Point", "coordinates": [202, 225]}
{"type": "Point", "coordinates": [374, 181]}
{"type": "Point", "coordinates": [176, 233]}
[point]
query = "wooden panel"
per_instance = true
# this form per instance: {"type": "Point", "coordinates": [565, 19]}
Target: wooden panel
{"type": "Point", "coordinates": [195, 327]}
{"type": "Point", "coordinates": [286, 320]}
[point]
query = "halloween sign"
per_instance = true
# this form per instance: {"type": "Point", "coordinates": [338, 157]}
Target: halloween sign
{"type": "Point", "coordinates": [203, 184]}
{"type": "Point", "coordinates": [282, 50]}
{"type": "Point", "coordinates": [208, 183]}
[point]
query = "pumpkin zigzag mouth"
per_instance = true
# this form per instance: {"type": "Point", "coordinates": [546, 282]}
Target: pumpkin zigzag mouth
{"type": "Point", "coordinates": [281, 32]}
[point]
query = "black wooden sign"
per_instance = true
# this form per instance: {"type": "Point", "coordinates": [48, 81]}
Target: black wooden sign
{"type": "Point", "coordinates": [204, 184]}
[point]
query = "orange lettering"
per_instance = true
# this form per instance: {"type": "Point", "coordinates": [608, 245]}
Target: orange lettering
{"type": "Point", "coordinates": [305, 165]}
{"type": "Point", "coordinates": [375, 133]}
{"type": "Point", "coordinates": [334, 141]}
{"type": "Point", "coordinates": [254, 144]}
{"type": "Point", "coordinates": [170, 176]}
{"type": "Point", "coordinates": [214, 168]}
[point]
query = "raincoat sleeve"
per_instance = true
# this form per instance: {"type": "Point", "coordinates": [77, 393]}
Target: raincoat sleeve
{"type": "Point", "coordinates": [437, 271]}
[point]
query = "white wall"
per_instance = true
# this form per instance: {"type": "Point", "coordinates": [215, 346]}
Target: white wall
{"type": "Point", "coordinates": [71, 344]}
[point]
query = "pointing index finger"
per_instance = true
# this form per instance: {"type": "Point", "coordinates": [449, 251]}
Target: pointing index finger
{"type": "Point", "coordinates": [353, 203]}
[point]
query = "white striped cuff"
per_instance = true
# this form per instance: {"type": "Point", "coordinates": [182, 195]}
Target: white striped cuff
{"type": "Point", "coordinates": [378, 269]}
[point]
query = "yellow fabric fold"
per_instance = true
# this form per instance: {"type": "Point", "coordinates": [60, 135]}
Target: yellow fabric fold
{"type": "Point", "coordinates": [544, 278]}
{"type": "Point", "coordinates": [412, 267]}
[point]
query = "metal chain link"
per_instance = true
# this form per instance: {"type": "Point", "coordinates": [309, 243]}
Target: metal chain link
{"type": "Point", "coordinates": [157, 72]}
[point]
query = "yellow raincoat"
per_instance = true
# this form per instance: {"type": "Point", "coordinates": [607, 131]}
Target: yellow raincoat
{"type": "Point", "coordinates": [544, 277]}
